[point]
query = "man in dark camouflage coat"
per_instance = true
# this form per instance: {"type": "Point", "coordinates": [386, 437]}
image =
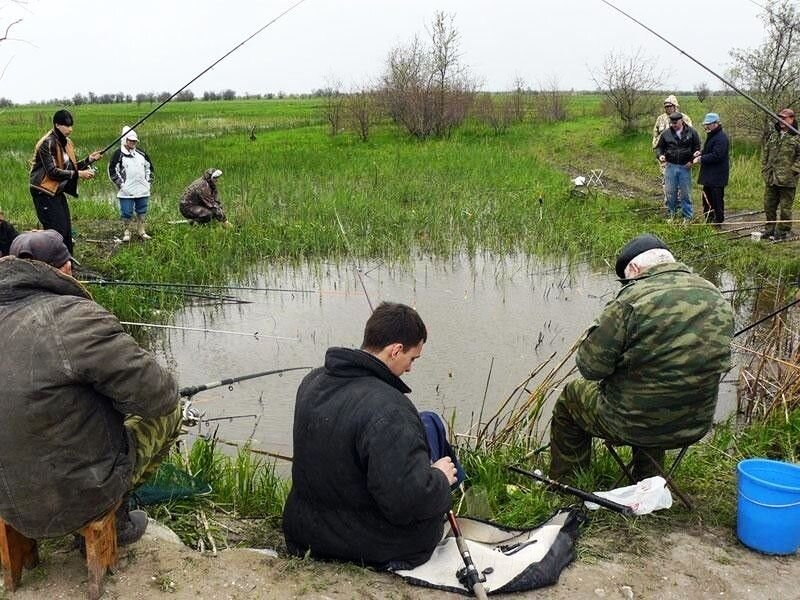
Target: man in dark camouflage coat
{"type": "Point", "coordinates": [200, 201]}
{"type": "Point", "coordinates": [780, 166]}
{"type": "Point", "coordinates": [651, 364]}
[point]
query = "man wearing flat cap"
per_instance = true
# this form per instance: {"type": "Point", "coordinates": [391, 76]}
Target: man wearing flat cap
{"type": "Point", "coordinates": [676, 148]}
{"type": "Point", "coordinates": [780, 166]}
{"type": "Point", "coordinates": [87, 414]}
{"type": "Point", "coordinates": [650, 364]}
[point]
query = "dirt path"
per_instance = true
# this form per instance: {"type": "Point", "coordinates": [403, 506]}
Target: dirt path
{"type": "Point", "coordinates": [687, 567]}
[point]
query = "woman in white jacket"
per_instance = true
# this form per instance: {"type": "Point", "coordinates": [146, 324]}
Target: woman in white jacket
{"type": "Point", "coordinates": [131, 170]}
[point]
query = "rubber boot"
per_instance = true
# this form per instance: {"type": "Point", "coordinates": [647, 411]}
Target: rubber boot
{"type": "Point", "coordinates": [126, 231]}
{"type": "Point", "coordinates": [131, 525]}
{"type": "Point", "coordinates": [140, 227]}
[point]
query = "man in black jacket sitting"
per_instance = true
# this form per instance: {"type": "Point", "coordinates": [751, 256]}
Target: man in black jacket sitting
{"type": "Point", "coordinates": [364, 486]}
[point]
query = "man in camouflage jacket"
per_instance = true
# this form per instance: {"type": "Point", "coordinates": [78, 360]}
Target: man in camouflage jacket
{"type": "Point", "coordinates": [651, 364]}
{"type": "Point", "coordinates": [200, 201]}
{"type": "Point", "coordinates": [780, 166]}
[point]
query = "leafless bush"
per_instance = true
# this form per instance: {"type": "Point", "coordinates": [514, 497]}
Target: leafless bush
{"type": "Point", "coordinates": [362, 108]}
{"type": "Point", "coordinates": [425, 88]}
{"type": "Point", "coordinates": [550, 104]}
{"type": "Point", "coordinates": [626, 82]}
{"type": "Point", "coordinates": [495, 111]}
{"type": "Point", "coordinates": [702, 92]}
{"type": "Point", "coordinates": [333, 108]}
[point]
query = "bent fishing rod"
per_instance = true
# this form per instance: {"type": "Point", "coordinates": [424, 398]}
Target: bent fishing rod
{"type": "Point", "coordinates": [472, 578]}
{"type": "Point", "coordinates": [191, 390]}
{"type": "Point", "coordinates": [203, 72]}
{"type": "Point", "coordinates": [761, 106]}
{"type": "Point", "coordinates": [583, 495]}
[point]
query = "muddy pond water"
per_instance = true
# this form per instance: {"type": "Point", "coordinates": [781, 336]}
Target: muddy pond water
{"type": "Point", "coordinates": [491, 320]}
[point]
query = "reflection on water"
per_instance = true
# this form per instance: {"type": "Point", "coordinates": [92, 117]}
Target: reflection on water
{"type": "Point", "coordinates": [509, 313]}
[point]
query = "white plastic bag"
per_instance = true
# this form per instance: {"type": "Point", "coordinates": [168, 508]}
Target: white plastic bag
{"type": "Point", "coordinates": [643, 498]}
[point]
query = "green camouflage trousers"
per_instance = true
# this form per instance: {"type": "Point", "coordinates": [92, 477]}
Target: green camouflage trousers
{"type": "Point", "coordinates": [779, 199]}
{"type": "Point", "coordinates": [152, 439]}
{"type": "Point", "coordinates": [575, 422]}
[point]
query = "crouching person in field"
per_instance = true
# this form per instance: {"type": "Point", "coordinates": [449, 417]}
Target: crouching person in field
{"type": "Point", "coordinates": [87, 414]}
{"type": "Point", "coordinates": [367, 486]}
{"type": "Point", "coordinates": [200, 202]}
{"type": "Point", "coordinates": [651, 364]}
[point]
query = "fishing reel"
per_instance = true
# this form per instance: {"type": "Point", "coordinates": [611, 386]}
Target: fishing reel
{"type": "Point", "coordinates": [191, 416]}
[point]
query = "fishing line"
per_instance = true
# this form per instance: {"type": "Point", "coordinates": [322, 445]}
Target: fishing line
{"type": "Point", "coordinates": [203, 72]}
{"type": "Point", "coordinates": [766, 110]}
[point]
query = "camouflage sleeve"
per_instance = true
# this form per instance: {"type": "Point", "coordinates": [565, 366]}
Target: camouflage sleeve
{"type": "Point", "coordinates": [599, 354]}
{"type": "Point", "coordinates": [796, 161]}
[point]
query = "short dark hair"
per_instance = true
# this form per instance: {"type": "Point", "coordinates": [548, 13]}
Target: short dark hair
{"type": "Point", "coordinates": [393, 323]}
{"type": "Point", "coordinates": [62, 117]}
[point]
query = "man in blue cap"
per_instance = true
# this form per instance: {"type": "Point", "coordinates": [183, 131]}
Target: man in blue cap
{"type": "Point", "coordinates": [714, 161]}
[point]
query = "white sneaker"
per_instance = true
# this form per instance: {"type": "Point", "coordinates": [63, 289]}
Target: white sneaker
{"type": "Point", "coordinates": [126, 236]}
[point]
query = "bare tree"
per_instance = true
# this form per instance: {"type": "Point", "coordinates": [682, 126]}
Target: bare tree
{"type": "Point", "coordinates": [520, 99]}
{"type": "Point", "coordinates": [362, 111]}
{"type": "Point", "coordinates": [425, 87]}
{"type": "Point", "coordinates": [770, 72]}
{"type": "Point", "coordinates": [6, 36]}
{"type": "Point", "coordinates": [551, 102]}
{"type": "Point", "coordinates": [702, 92]}
{"type": "Point", "coordinates": [333, 107]}
{"type": "Point", "coordinates": [627, 81]}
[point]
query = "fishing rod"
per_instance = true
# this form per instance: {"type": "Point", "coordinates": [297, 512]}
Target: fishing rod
{"type": "Point", "coordinates": [194, 285]}
{"type": "Point", "coordinates": [190, 391]}
{"type": "Point", "coordinates": [766, 110]}
{"type": "Point", "coordinates": [586, 496]}
{"type": "Point", "coordinates": [203, 72]}
{"type": "Point", "coordinates": [768, 317]}
{"type": "Point", "coordinates": [469, 575]}
{"type": "Point", "coordinates": [255, 334]}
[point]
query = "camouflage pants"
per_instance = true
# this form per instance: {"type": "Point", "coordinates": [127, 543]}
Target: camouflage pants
{"type": "Point", "coordinates": [576, 420]}
{"type": "Point", "coordinates": [775, 198]}
{"type": "Point", "coordinates": [152, 439]}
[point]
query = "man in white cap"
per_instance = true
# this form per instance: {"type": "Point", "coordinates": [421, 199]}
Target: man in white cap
{"type": "Point", "coordinates": [131, 170]}
{"type": "Point", "coordinates": [200, 201]}
{"type": "Point", "coordinates": [87, 414]}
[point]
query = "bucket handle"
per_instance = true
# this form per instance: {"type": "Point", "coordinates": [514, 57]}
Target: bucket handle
{"type": "Point", "coordinates": [757, 503]}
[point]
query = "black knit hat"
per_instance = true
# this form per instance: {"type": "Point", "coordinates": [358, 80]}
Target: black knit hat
{"type": "Point", "coordinates": [639, 244]}
{"type": "Point", "coordinates": [62, 117]}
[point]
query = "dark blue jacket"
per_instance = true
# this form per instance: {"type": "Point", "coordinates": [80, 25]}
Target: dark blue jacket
{"type": "Point", "coordinates": [714, 159]}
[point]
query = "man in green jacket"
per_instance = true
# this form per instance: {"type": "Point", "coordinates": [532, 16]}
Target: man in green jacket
{"type": "Point", "coordinates": [780, 166]}
{"type": "Point", "coordinates": [651, 364]}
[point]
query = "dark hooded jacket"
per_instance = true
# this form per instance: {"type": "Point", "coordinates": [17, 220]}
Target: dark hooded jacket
{"type": "Point", "coordinates": [202, 192]}
{"type": "Point", "coordinates": [70, 374]}
{"type": "Point", "coordinates": [363, 488]}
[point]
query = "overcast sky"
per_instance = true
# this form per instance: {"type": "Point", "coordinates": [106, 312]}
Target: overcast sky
{"type": "Point", "coordinates": [62, 47]}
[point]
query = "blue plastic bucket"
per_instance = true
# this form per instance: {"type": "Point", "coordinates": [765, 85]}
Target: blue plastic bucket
{"type": "Point", "coordinates": [768, 509]}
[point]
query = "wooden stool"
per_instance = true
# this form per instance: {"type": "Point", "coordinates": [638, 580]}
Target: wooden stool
{"type": "Point", "coordinates": [18, 552]}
